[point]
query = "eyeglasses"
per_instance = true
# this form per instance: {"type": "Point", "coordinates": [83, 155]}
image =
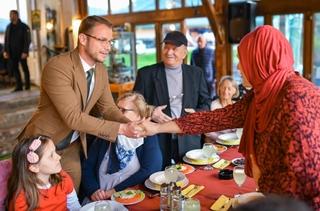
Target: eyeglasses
{"type": "Point", "coordinates": [123, 110]}
{"type": "Point", "coordinates": [105, 41]}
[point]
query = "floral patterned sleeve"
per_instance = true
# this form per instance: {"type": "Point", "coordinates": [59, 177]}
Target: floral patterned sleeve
{"type": "Point", "coordinates": [231, 116]}
{"type": "Point", "coordinates": [302, 134]}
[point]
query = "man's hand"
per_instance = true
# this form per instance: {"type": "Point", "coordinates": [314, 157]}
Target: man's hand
{"type": "Point", "coordinates": [131, 129]}
{"type": "Point", "coordinates": [189, 110]}
{"type": "Point", "coordinates": [24, 55]}
{"type": "Point", "coordinates": [159, 116]}
{"type": "Point", "coordinates": [5, 55]}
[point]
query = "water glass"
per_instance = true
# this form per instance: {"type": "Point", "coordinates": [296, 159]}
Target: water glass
{"type": "Point", "coordinates": [208, 150]}
{"type": "Point", "coordinates": [102, 206]}
{"type": "Point", "coordinates": [171, 174]}
{"type": "Point", "coordinates": [239, 175]}
{"type": "Point", "coordinates": [191, 204]}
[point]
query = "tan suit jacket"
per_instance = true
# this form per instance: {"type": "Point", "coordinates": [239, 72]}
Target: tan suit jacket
{"type": "Point", "coordinates": [63, 106]}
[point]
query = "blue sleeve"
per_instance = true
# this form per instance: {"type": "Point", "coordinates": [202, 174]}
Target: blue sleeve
{"type": "Point", "coordinates": [89, 173]}
{"type": "Point", "coordinates": [150, 159]}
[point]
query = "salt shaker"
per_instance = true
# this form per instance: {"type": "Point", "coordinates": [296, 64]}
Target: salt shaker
{"type": "Point", "coordinates": [176, 199]}
{"type": "Point", "coordinates": [164, 199]}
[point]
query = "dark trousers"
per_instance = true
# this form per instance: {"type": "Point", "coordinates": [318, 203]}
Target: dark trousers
{"type": "Point", "coordinates": [13, 66]}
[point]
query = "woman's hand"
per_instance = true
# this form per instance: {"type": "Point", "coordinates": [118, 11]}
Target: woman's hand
{"type": "Point", "coordinates": [150, 128]}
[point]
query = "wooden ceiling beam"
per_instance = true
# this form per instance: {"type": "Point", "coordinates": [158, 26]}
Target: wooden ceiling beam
{"type": "Point", "coordinates": [275, 7]}
{"type": "Point", "coordinates": [157, 16]}
{"type": "Point", "coordinates": [215, 21]}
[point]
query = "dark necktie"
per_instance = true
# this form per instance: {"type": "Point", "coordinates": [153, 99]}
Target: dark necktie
{"type": "Point", "coordinates": [89, 78]}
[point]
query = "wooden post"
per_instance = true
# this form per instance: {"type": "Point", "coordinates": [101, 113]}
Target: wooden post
{"type": "Point", "coordinates": [308, 24]}
{"type": "Point", "coordinates": [218, 23]}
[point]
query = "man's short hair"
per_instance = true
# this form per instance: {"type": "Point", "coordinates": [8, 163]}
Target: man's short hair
{"type": "Point", "coordinates": [90, 21]}
{"type": "Point", "coordinates": [15, 12]}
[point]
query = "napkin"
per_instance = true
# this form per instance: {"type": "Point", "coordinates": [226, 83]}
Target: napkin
{"type": "Point", "coordinates": [221, 164]}
{"type": "Point", "coordinates": [187, 190]}
{"type": "Point", "coordinates": [192, 190]}
{"type": "Point", "coordinates": [223, 203]}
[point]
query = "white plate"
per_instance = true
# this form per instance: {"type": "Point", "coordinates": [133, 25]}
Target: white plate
{"type": "Point", "coordinates": [197, 154]}
{"type": "Point", "coordinates": [228, 137]}
{"type": "Point", "coordinates": [201, 162]}
{"type": "Point", "coordinates": [115, 206]}
{"type": "Point", "coordinates": [156, 187]}
{"type": "Point", "coordinates": [113, 198]}
{"type": "Point", "coordinates": [159, 178]}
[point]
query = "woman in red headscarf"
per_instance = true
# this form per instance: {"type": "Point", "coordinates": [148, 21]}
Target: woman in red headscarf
{"type": "Point", "coordinates": [280, 117]}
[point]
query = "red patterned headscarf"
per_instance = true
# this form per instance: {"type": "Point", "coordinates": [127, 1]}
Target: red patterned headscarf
{"type": "Point", "coordinates": [267, 60]}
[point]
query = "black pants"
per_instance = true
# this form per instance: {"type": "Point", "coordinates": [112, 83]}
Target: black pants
{"type": "Point", "coordinates": [13, 66]}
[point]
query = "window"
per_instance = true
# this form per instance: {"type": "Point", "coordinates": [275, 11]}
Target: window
{"type": "Point", "coordinates": [196, 27]}
{"type": "Point", "coordinates": [5, 8]}
{"type": "Point", "coordinates": [97, 7]}
{"type": "Point", "coordinates": [292, 27]}
{"type": "Point", "coordinates": [169, 4]}
{"type": "Point", "coordinates": [145, 45]}
{"type": "Point", "coordinates": [192, 3]}
{"type": "Point", "coordinates": [259, 21]}
{"type": "Point", "coordinates": [315, 77]}
{"type": "Point", "coordinates": [118, 7]}
{"type": "Point", "coordinates": [143, 5]}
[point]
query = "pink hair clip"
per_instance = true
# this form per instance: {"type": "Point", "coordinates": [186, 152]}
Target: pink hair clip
{"type": "Point", "coordinates": [32, 157]}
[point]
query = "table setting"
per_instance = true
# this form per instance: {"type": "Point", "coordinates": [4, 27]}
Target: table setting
{"type": "Point", "coordinates": [190, 184]}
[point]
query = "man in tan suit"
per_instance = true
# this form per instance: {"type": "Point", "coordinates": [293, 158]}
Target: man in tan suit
{"type": "Point", "coordinates": [66, 102]}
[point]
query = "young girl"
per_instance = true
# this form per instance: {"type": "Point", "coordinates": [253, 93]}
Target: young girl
{"type": "Point", "coordinates": [37, 181]}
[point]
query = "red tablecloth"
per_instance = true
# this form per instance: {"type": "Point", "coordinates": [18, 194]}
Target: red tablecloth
{"type": "Point", "coordinates": [214, 187]}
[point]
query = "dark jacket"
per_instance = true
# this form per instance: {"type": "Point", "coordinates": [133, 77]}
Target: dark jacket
{"type": "Point", "coordinates": [148, 154]}
{"type": "Point", "coordinates": [17, 39]}
{"type": "Point", "coordinates": [151, 82]}
{"type": "Point", "coordinates": [205, 60]}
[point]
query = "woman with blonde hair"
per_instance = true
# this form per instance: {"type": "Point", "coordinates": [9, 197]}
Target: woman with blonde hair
{"type": "Point", "coordinates": [227, 90]}
{"type": "Point", "coordinates": [112, 167]}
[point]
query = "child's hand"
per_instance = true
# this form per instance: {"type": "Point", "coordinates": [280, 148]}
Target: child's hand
{"type": "Point", "coordinates": [99, 195]}
{"type": "Point", "coordinates": [109, 193]}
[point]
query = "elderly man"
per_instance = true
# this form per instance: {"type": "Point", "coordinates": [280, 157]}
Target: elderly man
{"type": "Point", "coordinates": [174, 88]}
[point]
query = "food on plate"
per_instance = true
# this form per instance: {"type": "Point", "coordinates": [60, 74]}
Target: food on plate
{"type": "Point", "coordinates": [219, 148]}
{"type": "Point", "coordinates": [128, 196]}
{"type": "Point", "coordinates": [184, 168]}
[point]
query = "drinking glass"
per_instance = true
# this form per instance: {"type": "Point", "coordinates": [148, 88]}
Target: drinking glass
{"type": "Point", "coordinates": [208, 150]}
{"type": "Point", "coordinates": [102, 206]}
{"type": "Point", "coordinates": [191, 204]}
{"type": "Point", "coordinates": [171, 174]}
{"type": "Point", "coordinates": [238, 175]}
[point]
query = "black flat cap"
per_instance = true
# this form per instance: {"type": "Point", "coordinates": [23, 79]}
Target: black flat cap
{"type": "Point", "coordinates": [176, 38]}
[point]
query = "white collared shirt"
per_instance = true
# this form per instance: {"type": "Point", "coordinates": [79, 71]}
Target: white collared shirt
{"type": "Point", "coordinates": [86, 68]}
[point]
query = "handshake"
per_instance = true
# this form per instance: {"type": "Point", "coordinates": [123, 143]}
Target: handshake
{"type": "Point", "coordinates": [161, 123]}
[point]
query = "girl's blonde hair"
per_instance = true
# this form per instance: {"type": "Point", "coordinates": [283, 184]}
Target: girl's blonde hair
{"type": "Point", "coordinates": [21, 178]}
{"type": "Point", "coordinates": [138, 100]}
